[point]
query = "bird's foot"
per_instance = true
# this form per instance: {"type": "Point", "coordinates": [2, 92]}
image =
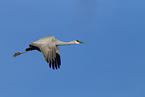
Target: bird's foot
{"type": "Point", "coordinates": [16, 54]}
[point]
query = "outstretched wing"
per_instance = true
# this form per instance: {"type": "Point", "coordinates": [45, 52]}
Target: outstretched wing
{"type": "Point", "coordinates": [52, 56]}
{"type": "Point", "coordinates": [50, 51]}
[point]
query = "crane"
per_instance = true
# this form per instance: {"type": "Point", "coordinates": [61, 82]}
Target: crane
{"type": "Point", "coordinates": [49, 48]}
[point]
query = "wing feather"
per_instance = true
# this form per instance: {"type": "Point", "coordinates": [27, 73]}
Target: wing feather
{"type": "Point", "coordinates": [53, 64]}
{"type": "Point", "coordinates": [50, 51]}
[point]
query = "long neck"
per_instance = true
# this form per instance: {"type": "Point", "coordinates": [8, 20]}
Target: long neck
{"type": "Point", "coordinates": [60, 43]}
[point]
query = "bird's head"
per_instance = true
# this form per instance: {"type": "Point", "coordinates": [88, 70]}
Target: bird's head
{"type": "Point", "coordinates": [78, 42]}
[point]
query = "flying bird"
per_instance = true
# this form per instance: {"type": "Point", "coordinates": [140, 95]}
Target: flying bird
{"type": "Point", "coordinates": [49, 48]}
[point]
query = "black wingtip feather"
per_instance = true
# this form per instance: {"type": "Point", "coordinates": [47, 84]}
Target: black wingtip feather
{"type": "Point", "coordinates": [53, 65]}
{"type": "Point", "coordinates": [58, 60]}
{"type": "Point", "coordinates": [50, 64]}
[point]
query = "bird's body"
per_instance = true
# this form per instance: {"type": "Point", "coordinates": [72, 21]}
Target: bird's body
{"type": "Point", "coordinates": [49, 48]}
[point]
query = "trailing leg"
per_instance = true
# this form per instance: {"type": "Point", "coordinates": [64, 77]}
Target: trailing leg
{"type": "Point", "coordinates": [18, 53]}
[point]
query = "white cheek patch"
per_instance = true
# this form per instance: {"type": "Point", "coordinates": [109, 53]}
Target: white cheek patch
{"type": "Point", "coordinates": [77, 42]}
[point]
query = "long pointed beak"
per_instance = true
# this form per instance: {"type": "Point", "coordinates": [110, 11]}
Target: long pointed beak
{"type": "Point", "coordinates": [82, 43]}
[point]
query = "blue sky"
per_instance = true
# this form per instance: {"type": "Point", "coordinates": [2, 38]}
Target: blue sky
{"type": "Point", "coordinates": [111, 64]}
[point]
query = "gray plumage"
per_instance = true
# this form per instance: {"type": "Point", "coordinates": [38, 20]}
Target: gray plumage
{"type": "Point", "coordinates": [49, 48]}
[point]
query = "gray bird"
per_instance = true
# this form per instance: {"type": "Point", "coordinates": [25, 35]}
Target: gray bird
{"type": "Point", "coordinates": [49, 48]}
